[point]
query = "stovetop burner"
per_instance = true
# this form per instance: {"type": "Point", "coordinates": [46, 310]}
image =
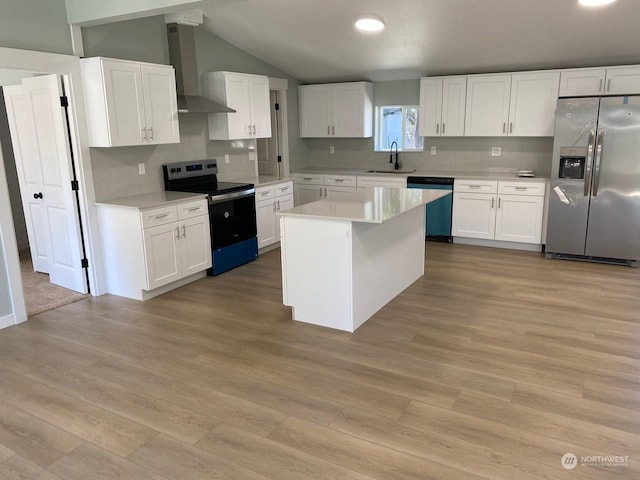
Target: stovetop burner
{"type": "Point", "coordinates": [198, 177]}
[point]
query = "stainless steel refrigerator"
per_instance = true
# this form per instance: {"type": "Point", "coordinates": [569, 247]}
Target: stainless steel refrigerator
{"type": "Point", "coordinates": [594, 202]}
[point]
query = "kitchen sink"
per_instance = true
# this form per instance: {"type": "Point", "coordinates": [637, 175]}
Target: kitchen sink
{"type": "Point", "coordinates": [390, 171]}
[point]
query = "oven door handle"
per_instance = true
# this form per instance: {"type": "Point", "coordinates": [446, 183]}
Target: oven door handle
{"type": "Point", "coordinates": [228, 196]}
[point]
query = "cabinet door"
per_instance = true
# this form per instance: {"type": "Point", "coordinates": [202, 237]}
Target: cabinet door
{"type": "Point", "coordinates": [315, 111]}
{"type": "Point", "coordinates": [260, 106]}
{"type": "Point", "coordinates": [519, 218]}
{"type": "Point", "coordinates": [125, 102]}
{"type": "Point", "coordinates": [623, 81]}
{"type": "Point", "coordinates": [266, 222]}
{"type": "Point", "coordinates": [347, 111]}
{"type": "Point", "coordinates": [534, 97]}
{"type": "Point", "coordinates": [454, 97]}
{"type": "Point", "coordinates": [487, 106]}
{"type": "Point", "coordinates": [160, 104]}
{"type": "Point", "coordinates": [195, 245]}
{"type": "Point", "coordinates": [474, 215]}
{"type": "Point", "coordinates": [307, 193]}
{"type": "Point", "coordinates": [338, 192]}
{"type": "Point", "coordinates": [282, 203]}
{"type": "Point", "coordinates": [581, 82]}
{"type": "Point", "coordinates": [238, 91]}
{"type": "Point", "coordinates": [162, 255]}
{"type": "Point", "coordinates": [430, 107]}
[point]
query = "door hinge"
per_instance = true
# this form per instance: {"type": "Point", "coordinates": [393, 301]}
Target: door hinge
{"type": "Point", "coordinates": [277, 106]}
{"type": "Point", "coordinates": [74, 185]}
{"type": "Point", "coordinates": [85, 263]}
{"type": "Point", "coordinates": [64, 101]}
{"type": "Point", "coordinates": [279, 158]}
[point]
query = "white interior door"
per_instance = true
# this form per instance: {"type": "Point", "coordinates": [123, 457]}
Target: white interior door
{"type": "Point", "coordinates": [29, 168]}
{"type": "Point", "coordinates": [51, 142]}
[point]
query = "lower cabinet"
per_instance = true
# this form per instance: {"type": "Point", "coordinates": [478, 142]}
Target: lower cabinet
{"type": "Point", "coordinates": [270, 199]}
{"type": "Point", "coordinates": [152, 248]}
{"type": "Point", "coordinates": [503, 211]}
{"type": "Point", "coordinates": [313, 187]}
{"type": "Point", "coordinates": [396, 181]}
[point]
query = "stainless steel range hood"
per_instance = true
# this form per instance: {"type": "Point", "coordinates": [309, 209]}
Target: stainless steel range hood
{"type": "Point", "coordinates": [182, 54]}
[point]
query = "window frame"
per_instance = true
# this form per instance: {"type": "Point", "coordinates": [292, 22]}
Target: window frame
{"type": "Point", "coordinates": [377, 144]}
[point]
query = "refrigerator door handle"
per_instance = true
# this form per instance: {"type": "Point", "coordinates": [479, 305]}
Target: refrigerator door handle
{"type": "Point", "coordinates": [587, 175]}
{"type": "Point", "coordinates": [596, 170]}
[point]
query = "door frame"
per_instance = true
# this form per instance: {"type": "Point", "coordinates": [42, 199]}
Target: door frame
{"type": "Point", "coordinates": [68, 67]}
{"type": "Point", "coordinates": [281, 85]}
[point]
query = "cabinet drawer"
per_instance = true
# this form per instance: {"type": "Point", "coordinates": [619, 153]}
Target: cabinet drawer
{"type": "Point", "coordinates": [522, 188]}
{"type": "Point", "coordinates": [264, 193]}
{"type": "Point", "coordinates": [309, 179]}
{"type": "Point", "coordinates": [375, 181]}
{"type": "Point", "coordinates": [342, 180]}
{"type": "Point", "coordinates": [284, 189]}
{"type": "Point", "coordinates": [159, 216]}
{"type": "Point", "coordinates": [192, 209]}
{"type": "Point", "coordinates": [478, 186]}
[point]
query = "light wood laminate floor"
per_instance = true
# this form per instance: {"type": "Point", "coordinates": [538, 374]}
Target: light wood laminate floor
{"type": "Point", "coordinates": [492, 366]}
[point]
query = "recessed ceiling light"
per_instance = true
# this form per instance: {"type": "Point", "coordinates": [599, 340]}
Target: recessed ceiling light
{"type": "Point", "coordinates": [369, 23]}
{"type": "Point", "coordinates": [595, 3]}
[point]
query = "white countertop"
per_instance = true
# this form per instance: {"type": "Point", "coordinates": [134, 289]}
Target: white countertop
{"type": "Point", "coordinates": [260, 180]}
{"type": "Point", "coordinates": [422, 173]}
{"type": "Point", "coordinates": [368, 205]}
{"type": "Point", "coordinates": [152, 200]}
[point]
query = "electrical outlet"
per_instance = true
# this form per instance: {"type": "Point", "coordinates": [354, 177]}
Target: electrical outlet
{"type": "Point", "coordinates": [141, 169]}
{"type": "Point", "coordinates": [253, 156]}
{"type": "Point", "coordinates": [332, 150]}
{"type": "Point", "coordinates": [226, 158]}
{"type": "Point", "coordinates": [496, 151]}
{"type": "Point", "coordinates": [433, 150]}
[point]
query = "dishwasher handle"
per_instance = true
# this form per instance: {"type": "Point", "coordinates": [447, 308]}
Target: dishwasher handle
{"type": "Point", "coordinates": [426, 181]}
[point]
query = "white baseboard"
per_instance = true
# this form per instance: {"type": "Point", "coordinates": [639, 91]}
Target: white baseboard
{"type": "Point", "coordinates": [7, 321]}
{"type": "Point", "coordinates": [529, 247]}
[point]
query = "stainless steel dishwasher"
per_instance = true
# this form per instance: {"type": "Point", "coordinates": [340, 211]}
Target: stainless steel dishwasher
{"type": "Point", "coordinates": [438, 212]}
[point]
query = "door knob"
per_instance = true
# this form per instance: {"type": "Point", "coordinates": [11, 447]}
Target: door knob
{"type": "Point", "coordinates": [37, 195]}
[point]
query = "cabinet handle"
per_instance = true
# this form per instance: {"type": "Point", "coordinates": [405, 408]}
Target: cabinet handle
{"type": "Point", "coordinates": [521, 188]}
{"type": "Point", "coordinates": [284, 189]}
{"type": "Point", "coordinates": [164, 215]}
{"type": "Point", "coordinates": [184, 231]}
{"type": "Point", "coordinates": [443, 128]}
{"type": "Point", "coordinates": [493, 202]}
{"type": "Point", "coordinates": [333, 130]}
{"type": "Point", "coordinates": [178, 233]}
{"type": "Point", "coordinates": [307, 178]}
{"type": "Point", "coordinates": [338, 180]}
{"type": "Point", "coordinates": [474, 186]}
{"type": "Point", "coordinates": [194, 209]}
{"type": "Point", "coordinates": [278, 205]}
{"type": "Point", "coordinates": [151, 133]}
{"type": "Point", "coordinates": [511, 127]}
{"type": "Point", "coordinates": [249, 129]}
{"type": "Point", "coordinates": [609, 85]}
{"type": "Point", "coordinates": [499, 202]}
{"type": "Point", "coordinates": [504, 127]}
{"type": "Point", "coordinates": [264, 194]}
{"type": "Point", "coordinates": [328, 129]}
{"type": "Point", "coordinates": [254, 129]}
{"type": "Point", "coordinates": [600, 85]}
{"type": "Point", "coordinates": [144, 134]}
{"type": "Point", "coordinates": [274, 206]}
{"type": "Point", "coordinates": [438, 128]}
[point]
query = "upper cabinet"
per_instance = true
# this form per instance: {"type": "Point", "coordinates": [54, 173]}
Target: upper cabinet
{"type": "Point", "coordinates": [520, 104]}
{"type": "Point", "coordinates": [129, 103]}
{"type": "Point", "coordinates": [600, 81]}
{"type": "Point", "coordinates": [248, 95]}
{"type": "Point", "coordinates": [442, 106]}
{"type": "Point", "coordinates": [336, 110]}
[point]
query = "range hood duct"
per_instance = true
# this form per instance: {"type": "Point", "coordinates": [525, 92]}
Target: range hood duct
{"type": "Point", "coordinates": [182, 54]}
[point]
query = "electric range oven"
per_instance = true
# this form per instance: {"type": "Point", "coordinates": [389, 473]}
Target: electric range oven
{"type": "Point", "coordinates": [232, 211]}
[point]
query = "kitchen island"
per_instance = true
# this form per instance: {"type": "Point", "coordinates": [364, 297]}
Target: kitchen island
{"type": "Point", "coordinates": [344, 259]}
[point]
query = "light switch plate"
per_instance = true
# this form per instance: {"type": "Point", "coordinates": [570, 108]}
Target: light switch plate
{"type": "Point", "coordinates": [226, 158]}
{"type": "Point", "coordinates": [253, 156]}
{"type": "Point", "coordinates": [332, 150]}
{"type": "Point", "coordinates": [496, 151]}
{"type": "Point", "coordinates": [433, 150]}
{"type": "Point", "coordinates": [141, 169]}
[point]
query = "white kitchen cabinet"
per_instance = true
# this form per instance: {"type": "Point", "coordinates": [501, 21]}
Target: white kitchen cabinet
{"type": "Point", "coordinates": [336, 110]}
{"type": "Point", "coordinates": [521, 104]}
{"type": "Point", "coordinates": [271, 199]}
{"type": "Point", "coordinates": [397, 181]}
{"type": "Point", "coordinates": [248, 95]}
{"type": "Point", "coordinates": [336, 191]}
{"type": "Point", "coordinates": [150, 251]}
{"type": "Point", "coordinates": [506, 211]}
{"type": "Point", "coordinates": [442, 106]}
{"type": "Point", "coordinates": [129, 103]}
{"type": "Point", "coordinates": [581, 82]}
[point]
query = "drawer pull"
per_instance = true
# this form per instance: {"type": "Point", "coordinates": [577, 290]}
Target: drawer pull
{"type": "Point", "coordinates": [284, 189]}
{"type": "Point", "coordinates": [164, 215]}
{"type": "Point", "coordinates": [475, 186]}
{"type": "Point", "coordinates": [338, 180]}
{"type": "Point", "coordinates": [194, 209]}
{"type": "Point", "coordinates": [307, 178]}
{"type": "Point", "coordinates": [521, 188]}
{"type": "Point", "coordinates": [264, 193]}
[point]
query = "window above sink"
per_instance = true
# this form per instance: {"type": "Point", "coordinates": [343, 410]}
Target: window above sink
{"type": "Point", "coordinates": [398, 123]}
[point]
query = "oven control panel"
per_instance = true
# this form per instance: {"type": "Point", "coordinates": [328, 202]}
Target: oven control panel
{"type": "Point", "coordinates": [199, 168]}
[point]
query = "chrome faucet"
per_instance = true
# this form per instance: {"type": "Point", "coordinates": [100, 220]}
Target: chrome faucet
{"type": "Point", "coordinates": [397, 165]}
